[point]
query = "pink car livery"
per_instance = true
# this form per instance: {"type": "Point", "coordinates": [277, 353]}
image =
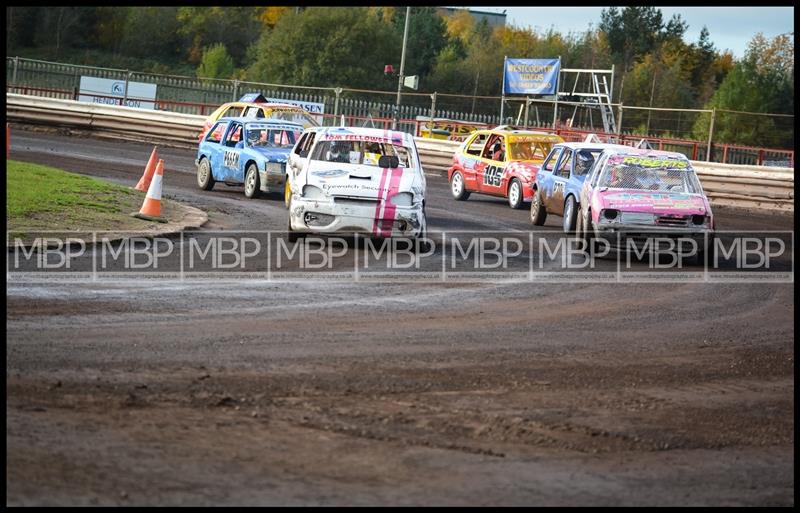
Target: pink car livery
{"type": "Point", "coordinates": [356, 180]}
{"type": "Point", "coordinates": [635, 194]}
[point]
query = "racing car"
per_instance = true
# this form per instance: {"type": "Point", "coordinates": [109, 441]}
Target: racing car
{"type": "Point", "coordinates": [356, 180]}
{"type": "Point", "coordinates": [634, 195]}
{"type": "Point", "coordinates": [558, 183]}
{"type": "Point", "coordinates": [500, 163]}
{"type": "Point", "coordinates": [257, 107]}
{"type": "Point", "coordinates": [243, 150]}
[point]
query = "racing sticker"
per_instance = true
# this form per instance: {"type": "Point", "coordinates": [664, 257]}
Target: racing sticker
{"type": "Point", "coordinates": [492, 175]}
{"type": "Point", "coordinates": [231, 158]}
{"type": "Point", "coordinates": [558, 187]}
{"type": "Point", "coordinates": [654, 162]}
{"type": "Point", "coordinates": [385, 210]}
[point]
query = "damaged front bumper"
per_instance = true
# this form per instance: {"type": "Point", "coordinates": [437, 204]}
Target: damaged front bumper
{"type": "Point", "coordinates": [355, 216]}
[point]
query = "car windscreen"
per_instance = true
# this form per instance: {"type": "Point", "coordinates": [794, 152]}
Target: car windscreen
{"type": "Point", "coordinates": [361, 152]}
{"type": "Point", "coordinates": [293, 116]}
{"type": "Point", "coordinates": [271, 137]}
{"type": "Point", "coordinates": [653, 174]}
{"type": "Point", "coordinates": [526, 149]}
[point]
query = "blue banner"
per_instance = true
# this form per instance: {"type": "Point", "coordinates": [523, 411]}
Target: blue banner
{"type": "Point", "coordinates": [531, 76]}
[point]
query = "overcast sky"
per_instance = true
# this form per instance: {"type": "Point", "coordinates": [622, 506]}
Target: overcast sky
{"type": "Point", "coordinates": [730, 27]}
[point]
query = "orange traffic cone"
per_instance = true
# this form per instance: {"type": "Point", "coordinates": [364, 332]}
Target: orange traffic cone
{"type": "Point", "coordinates": [151, 208]}
{"type": "Point", "coordinates": [144, 181]}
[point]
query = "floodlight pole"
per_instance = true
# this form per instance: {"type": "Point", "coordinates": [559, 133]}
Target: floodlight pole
{"type": "Point", "coordinates": [402, 69]}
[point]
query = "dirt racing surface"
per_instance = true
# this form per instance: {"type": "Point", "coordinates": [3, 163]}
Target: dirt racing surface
{"type": "Point", "coordinates": [245, 392]}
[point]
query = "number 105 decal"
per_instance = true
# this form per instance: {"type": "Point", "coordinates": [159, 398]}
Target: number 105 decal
{"type": "Point", "coordinates": [492, 175]}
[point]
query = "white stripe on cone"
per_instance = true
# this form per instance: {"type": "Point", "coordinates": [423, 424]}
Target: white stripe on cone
{"type": "Point", "coordinates": [154, 191]}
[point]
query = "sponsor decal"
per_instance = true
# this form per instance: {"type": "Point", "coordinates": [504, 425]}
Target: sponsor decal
{"type": "Point", "coordinates": [329, 173]}
{"type": "Point", "coordinates": [385, 210]}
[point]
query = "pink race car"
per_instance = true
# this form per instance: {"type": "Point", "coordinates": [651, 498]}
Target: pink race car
{"type": "Point", "coordinates": [634, 197]}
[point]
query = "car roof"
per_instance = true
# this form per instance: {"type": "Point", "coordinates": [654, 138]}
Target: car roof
{"type": "Point", "coordinates": [274, 121]}
{"type": "Point", "coordinates": [583, 145]}
{"type": "Point", "coordinates": [344, 132]}
{"type": "Point", "coordinates": [644, 152]}
{"type": "Point", "coordinates": [505, 131]}
{"type": "Point", "coordinates": [270, 105]}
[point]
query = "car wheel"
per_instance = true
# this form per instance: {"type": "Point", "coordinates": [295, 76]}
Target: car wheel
{"type": "Point", "coordinates": [515, 197]}
{"type": "Point", "coordinates": [205, 179]}
{"type": "Point", "coordinates": [570, 213]}
{"type": "Point", "coordinates": [457, 187]}
{"type": "Point", "coordinates": [538, 212]}
{"type": "Point", "coordinates": [587, 229]}
{"type": "Point", "coordinates": [709, 250]}
{"type": "Point", "coordinates": [251, 181]}
{"type": "Point", "coordinates": [287, 192]}
{"type": "Point", "coordinates": [291, 235]}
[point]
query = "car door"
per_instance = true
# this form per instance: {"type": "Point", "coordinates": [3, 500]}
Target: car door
{"type": "Point", "coordinates": [561, 174]}
{"type": "Point", "coordinates": [471, 160]}
{"type": "Point", "coordinates": [544, 178]}
{"type": "Point", "coordinates": [215, 149]}
{"type": "Point", "coordinates": [494, 160]}
{"type": "Point", "coordinates": [231, 153]}
{"type": "Point", "coordinates": [298, 158]}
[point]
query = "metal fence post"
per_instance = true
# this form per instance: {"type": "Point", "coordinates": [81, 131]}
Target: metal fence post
{"type": "Point", "coordinates": [527, 108]}
{"type": "Point", "coordinates": [555, 112]}
{"type": "Point", "coordinates": [235, 90]}
{"type": "Point", "coordinates": [125, 94]}
{"type": "Point", "coordinates": [338, 91]}
{"type": "Point", "coordinates": [14, 74]}
{"type": "Point", "coordinates": [710, 134]}
{"type": "Point", "coordinates": [433, 111]}
{"type": "Point", "coordinates": [619, 124]}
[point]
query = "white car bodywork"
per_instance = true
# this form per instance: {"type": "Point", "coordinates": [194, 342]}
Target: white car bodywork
{"type": "Point", "coordinates": [354, 194]}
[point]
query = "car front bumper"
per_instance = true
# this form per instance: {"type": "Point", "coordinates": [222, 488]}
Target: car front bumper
{"type": "Point", "coordinates": [331, 216]}
{"type": "Point", "coordinates": [636, 236]}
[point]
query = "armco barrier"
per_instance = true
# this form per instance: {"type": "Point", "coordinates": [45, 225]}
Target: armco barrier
{"type": "Point", "coordinates": [755, 187]}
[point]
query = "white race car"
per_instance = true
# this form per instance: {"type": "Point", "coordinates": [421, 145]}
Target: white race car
{"type": "Point", "coordinates": [356, 180]}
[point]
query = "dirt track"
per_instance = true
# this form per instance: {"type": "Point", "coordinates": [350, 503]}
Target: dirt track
{"type": "Point", "coordinates": [495, 394]}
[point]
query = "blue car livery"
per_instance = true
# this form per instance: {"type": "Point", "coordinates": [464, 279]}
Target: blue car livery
{"type": "Point", "coordinates": [239, 151]}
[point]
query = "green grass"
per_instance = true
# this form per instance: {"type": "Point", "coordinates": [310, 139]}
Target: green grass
{"type": "Point", "coordinates": [41, 198]}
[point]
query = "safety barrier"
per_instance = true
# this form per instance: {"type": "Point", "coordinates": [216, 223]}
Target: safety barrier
{"type": "Point", "coordinates": [756, 187]}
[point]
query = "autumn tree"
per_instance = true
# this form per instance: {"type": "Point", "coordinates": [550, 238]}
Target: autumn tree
{"type": "Point", "coordinates": [216, 63]}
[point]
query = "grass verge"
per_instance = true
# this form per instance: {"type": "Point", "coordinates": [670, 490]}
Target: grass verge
{"type": "Point", "coordinates": [42, 198]}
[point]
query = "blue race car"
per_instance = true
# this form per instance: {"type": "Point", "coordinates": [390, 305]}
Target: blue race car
{"type": "Point", "coordinates": [246, 151]}
{"type": "Point", "coordinates": [558, 183]}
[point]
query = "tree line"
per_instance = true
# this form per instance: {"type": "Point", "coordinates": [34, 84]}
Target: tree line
{"type": "Point", "coordinates": [349, 46]}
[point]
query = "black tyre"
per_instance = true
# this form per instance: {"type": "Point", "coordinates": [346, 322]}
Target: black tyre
{"type": "Point", "coordinates": [707, 252]}
{"type": "Point", "coordinates": [205, 179]}
{"type": "Point", "coordinates": [538, 212]}
{"type": "Point", "coordinates": [570, 214]}
{"type": "Point", "coordinates": [457, 187]}
{"type": "Point", "coordinates": [252, 183]}
{"type": "Point", "coordinates": [515, 196]}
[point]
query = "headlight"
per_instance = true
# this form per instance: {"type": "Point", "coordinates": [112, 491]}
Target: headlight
{"type": "Point", "coordinates": [609, 214]}
{"type": "Point", "coordinates": [275, 168]}
{"type": "Point", "coordinates": [700, 220]}
{"type": "Point", "coordinates": [403, 199]}
{"type": "Point", "coordinates": [312, 192]}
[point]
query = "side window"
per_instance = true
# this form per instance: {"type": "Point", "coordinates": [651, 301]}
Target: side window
{"type": "Point", "coordinates": [596, 170]}
{"type": "Point", "coordinates": [475, 146]}
{"type": "Point", "coordinates": [234, 135]}
{"type": "Point", "coordinates": [215, 134]}
{"type": "Point", "coordinates": [496, 149]}
{"type": "Point", "coordinates": [305, 148]}
{"type": "Point", "coordinates": [565, 164]}
{"type": "Point", "coordinates": [252, 112]}
{"type": "Point", "coordinates": [550, 163]}
{"type": "Point", "coordinates": [298, 149]}
{"type": "Point", "coordinates": [232, 112]}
